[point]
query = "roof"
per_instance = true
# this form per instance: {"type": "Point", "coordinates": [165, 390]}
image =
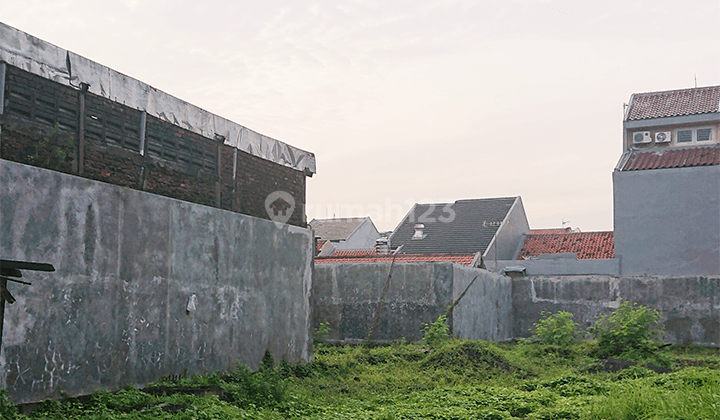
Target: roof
{"type": "Point", "coordinates": [463, 258]}
{"type": "Point", "coordinates": [320, 244]}
{"type": "Point", "coordinates": [336, 229]}
{"type": "Point", "coordinates": [465, 226]}
{"type": "Point", "coordinates": [587, 245]}
{"type": "Point", "coordinates": [552, 230]}
{"type": "Point", "coordinates": [680, 157]}
{"type": "Point", "coordinates": [673, 103]}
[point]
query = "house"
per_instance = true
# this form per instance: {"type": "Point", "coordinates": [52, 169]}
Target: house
{"type": "Point", "coordinates": [487, 229]}
{"type": "Point", "coordinates": [666, 185]}
{"type": "Point", "coordinates": [344, 234]}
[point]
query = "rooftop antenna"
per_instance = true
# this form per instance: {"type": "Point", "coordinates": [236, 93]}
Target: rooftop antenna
{"type": "Point", "coordinates": [565, 222]}
{"type": "Point", "coordinates": [695, 79]}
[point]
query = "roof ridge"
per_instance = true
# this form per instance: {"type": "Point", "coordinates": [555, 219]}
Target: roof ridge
{"type": "Point", "coordinates": [678, 90]}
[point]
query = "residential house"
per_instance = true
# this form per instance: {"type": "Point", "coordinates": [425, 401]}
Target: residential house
{"type": "Point", "coordinates": [667, 184]}
{"type": "Point", "coordinates": [344, 234]}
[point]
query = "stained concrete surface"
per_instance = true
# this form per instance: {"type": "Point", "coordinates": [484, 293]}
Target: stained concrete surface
{"type": "Point", "coordinates": [346, 296]}
{"type": "Point", "coordinates": [128, 263]}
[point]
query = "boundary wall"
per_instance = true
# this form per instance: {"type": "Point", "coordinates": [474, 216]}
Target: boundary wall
{"type": "Point", "coordinates": [145, 287]}
{"type": "Point", "coordinates": [346, 296]}
{"type": "Point", "coordinates": [689, 306]}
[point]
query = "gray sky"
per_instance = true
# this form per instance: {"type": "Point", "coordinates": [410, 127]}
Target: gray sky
{"type": "Point", "coordinates": [411, 101]}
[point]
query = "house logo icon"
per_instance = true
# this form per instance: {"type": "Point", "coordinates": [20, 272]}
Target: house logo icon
{"type": "Point", "coordinates": [279, 206]}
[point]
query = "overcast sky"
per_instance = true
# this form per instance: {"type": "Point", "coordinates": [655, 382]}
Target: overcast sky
{"type": "Point", "coordinates": [411, 101]}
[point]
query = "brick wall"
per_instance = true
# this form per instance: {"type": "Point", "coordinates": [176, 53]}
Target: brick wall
{"type": "Point", "coordinates": [58, 127]}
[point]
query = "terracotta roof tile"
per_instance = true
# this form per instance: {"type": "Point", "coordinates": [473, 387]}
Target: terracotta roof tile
{"type": "Point", "coordinates": [354, 253]}
{"type": "Point", "coordinates": [320, 243]}
{"type": "Point", "coordinates": [587, 245]}
{"type": "Point", "coordinates": [681, 157]}
{"type": "Point", "coordinates": [465, 259]}
{"type": "Point", "coordinates": [552, 230]}
{"type": "Point", "coordinates": [674, 103]}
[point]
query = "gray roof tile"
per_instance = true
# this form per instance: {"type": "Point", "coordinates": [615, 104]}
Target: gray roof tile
{"type": "Point", "coordinates": [471, 230]}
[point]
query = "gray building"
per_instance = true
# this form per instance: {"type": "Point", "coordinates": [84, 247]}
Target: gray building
{"type": "Point", "coordinates": [667, 184]}
{"type": "Point", "coordinates": [344, 234]}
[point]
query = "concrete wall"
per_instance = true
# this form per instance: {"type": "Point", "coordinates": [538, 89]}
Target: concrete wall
{"type": "Point", "coordinates": [690, 306]}
{"type": "Point", "coordinates": [509, 236]}
{"type": "Point", "coordinates": [484, 313]}
{"type": "Point", "coordinates": [346, 295]}
{"type": "Point", "coordinates": [561, 266]}
{"type": "Point", "coordinates": [129, 266]}
{"type": "Point", "coordinates": [667, 221]}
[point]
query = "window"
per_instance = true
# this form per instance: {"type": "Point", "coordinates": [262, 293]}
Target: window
{"type": "Point", "coordinates": [693, 135]}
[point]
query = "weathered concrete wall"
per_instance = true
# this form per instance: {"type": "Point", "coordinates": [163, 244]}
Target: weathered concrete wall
{"type": "Point", "coordinates": [690, 306]}
{"type": "Point", "coordinates": [562, 266]}
{"type": "Point", "coordinates": [145, 286]}
{"type": "Point", "coordinates": [346, 296]}
{"type": "Point", "coordinates": [484, 313]}
{"type": "Point", "coordinates": [509, 237]}
{"type": "Point", "coordinates": [667, 221]}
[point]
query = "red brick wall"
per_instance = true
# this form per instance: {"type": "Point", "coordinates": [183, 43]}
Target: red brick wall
{"type": "Point", "coordinates": [40, 127]}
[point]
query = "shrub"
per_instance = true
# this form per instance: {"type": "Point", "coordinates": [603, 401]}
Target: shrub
{"type": "Point", "coordinates": [558, 329]}
{"type": "Point", "coordinates": [436, 333]}
{"type": "Point", "coordinates": [627, 331]}
{"type": "Point", "coordinates": [7, 409]}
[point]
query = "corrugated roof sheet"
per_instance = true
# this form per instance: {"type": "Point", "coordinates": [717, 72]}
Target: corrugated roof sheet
{"type": "Point", "coordinates": [680, 157]}
{"type": "Point", "coordinates": [465, 259]}
{"type": "Point", "coordinates": [471, 230]}
{"type": "Point", "coordinates": [587, 245]}
{"type": "Point", "coordinates": [673, 103]}
{"type": "Point", "coordinates": [336, 229]}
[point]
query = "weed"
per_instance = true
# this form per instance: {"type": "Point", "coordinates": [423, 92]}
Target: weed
{"type": "Point", "coordinates": [558, 329]}
{"type": "Point", "coordinates": [627, 331]}
{"type": "Point", "coordinates": [437, 333]}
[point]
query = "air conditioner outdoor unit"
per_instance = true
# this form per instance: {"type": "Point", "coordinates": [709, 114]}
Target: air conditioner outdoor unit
{"type": "Point", "coordinates": [663, 137]}
{"type": "Point", "coordinates": [642, 137]}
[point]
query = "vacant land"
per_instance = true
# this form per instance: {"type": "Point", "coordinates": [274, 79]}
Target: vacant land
{"type": "Point", "coordinates": [451, 380]}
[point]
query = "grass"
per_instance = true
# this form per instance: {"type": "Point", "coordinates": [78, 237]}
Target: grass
{"type": "Point", "coordinates": [452, 380]}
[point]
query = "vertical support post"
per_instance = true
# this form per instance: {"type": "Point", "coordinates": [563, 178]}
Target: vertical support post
{"type": "Point", "coordinates": [2, 111]}
{"type": "Point", "coordinates": [80, 161]}
{"type": "Point", "coordinates": [3, 285]}
{"type": "Point", "coordinates": [143, 149]}
{"type": "Point", "coordinates": [3, 67]}
{"type": "Point", "coordinates": [218, 183]}
{"type": "Point", "coordinates": [143, 124]}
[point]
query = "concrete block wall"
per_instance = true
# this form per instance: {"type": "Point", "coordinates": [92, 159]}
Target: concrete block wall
{"type": "Point", "coordinates": [40, 126]}
{"type": "Point", "coordinates": [689, 306]}
{"type": "Point", "coordinates": [146, 286]}
{"type": "Point", "coordinates": [346, 296]}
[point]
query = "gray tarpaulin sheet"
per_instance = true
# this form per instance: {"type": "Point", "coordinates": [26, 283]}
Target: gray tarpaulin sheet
{"type": "Point", "coordinates": [51, 62]}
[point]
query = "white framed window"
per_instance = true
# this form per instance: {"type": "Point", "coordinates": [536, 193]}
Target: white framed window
{"type": "Point", "coordinates": [697, 135]}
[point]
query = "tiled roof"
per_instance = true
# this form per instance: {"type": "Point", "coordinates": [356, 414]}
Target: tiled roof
{"type": "Point", "coordinates": [674, 103]}
{"type": "Point", "coordinates": [320, 243]}
{"type": "Point", "coordinates": [680, 157]}
{"type": "Point", "coordinates": [553, 230]}
{"type": "Point", "coordinates": [353, 253]}
{"type": "Point", "coordinates": [587, 245]}
{"type": "Point", "coordinates": [336, 229]}
{"type": "Point", "coordinates": [465, 226]}
{"type": "Point", "coordinates": [465, 259]}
